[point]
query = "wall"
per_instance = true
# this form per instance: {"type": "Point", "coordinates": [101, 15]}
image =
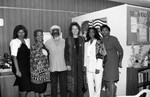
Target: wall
{"type": "Point", "coordinates": [117, 20]}
{"type": "Point", "coordinates": [41, 14]}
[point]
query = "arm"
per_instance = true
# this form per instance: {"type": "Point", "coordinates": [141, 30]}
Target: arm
{"type": "Point", "coordinates": [14, 45]}
{"type": "Point", "coordinates": [27, 42]}
{"type": "Point", "coordinates": [100, 50]}
{"type": "Point", "coordinates": [18, 73]}
{"type": "Point", "coordinates": [119, 51]}
{"type": "Point", "coordinates": [85, 54]}
{"type": "Point", "coordinates": [33, 52]}
{"type": "Point", "coordinates": [104, 54]}
{"type": "Point", "coordinates": [100, 55]}
{"type": "Point", "coordinates": [67, 54]}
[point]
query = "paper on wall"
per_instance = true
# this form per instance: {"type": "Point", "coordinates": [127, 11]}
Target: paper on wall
{"type": "Point", "coordinates": [134, 25]}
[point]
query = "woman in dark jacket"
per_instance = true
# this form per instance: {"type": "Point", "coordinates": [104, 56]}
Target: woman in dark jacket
{"type": "Point", "coordinates": [76, 61]}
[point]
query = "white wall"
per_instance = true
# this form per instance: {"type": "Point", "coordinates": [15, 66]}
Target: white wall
{"type": "Point", "coordinates": [117, 20]}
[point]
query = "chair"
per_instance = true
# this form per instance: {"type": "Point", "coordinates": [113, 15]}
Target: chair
{"type": "Point", "coordinates": [147, 91]}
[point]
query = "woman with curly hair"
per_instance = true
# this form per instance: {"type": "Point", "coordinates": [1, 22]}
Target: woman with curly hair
{"type": "Point", "coordinates": [39, 65]}
{"type": "Point", "coordinates": [75, 65]}
{"type": "Point", "coordinates": [20, 52]}
{"type": "Point", "coordinates": [94, 56]}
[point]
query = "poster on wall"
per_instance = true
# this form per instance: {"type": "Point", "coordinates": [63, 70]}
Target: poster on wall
{"type": "Point", "coordinates": [97, 23]}
{"type": "Point", "coordinates": [46, 36]}
{"type": "Point", "coordinates": [138, 26]}
{"type": "Point", "coordinates": [1, 22]}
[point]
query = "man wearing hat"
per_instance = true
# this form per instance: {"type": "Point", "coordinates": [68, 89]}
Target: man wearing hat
{"type": "Point", "coordinates": [58, 68]}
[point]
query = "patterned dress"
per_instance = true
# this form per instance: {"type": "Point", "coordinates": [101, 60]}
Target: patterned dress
{"type": "Point", "coordinates": [40, 73]}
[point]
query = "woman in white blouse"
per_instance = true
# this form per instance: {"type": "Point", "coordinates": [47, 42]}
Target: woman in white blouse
{"type": "Point", "coordinates": [93, 61]}
{"type": "Point", "coordinates": [20, 52]}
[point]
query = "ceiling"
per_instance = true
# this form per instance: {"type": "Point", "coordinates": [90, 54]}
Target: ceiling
{"type": "Point", "coordinates": [143, 3]}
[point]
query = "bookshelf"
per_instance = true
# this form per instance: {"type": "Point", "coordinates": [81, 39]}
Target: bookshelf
{"type": "Point", "coordinates": [137, 80]}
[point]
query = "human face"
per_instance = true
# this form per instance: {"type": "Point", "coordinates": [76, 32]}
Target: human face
{"type": "Point", "coordinates": [39, 37]}
{"type": "Point", "coordinates": [75, 30]}
{"type": "Point", "coordinates": [91, 33]}
{"type": "Point", "coordinates": [105, 32]}
{"type": "Point", "coordinates": [55, 33]}
{"type": "Point", "coordinates": [21, 34]}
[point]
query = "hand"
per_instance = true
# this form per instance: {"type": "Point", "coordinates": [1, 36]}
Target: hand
{"type": "Point", "coordinates": [68, 68]}
{"type": "Point", "coordinates": [84, 69]}
{"type": "Point", "coordinates": [49, 68]}
{"type": "Point", "coordinates": [44, 52]}
{"type": "Point", "coordinates": [97, 71]}
{"type": "Point", "coordinates": [120, 64]}
{"type": "Point", "coordinates": [18, 73]}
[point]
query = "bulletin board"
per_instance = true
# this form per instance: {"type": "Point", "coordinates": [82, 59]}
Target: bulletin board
{"type": "Point", "coordinates": [138, 26]}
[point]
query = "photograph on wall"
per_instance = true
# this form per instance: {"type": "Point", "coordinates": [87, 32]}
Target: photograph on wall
{"type": "Point", "coordinates": [97, 23]}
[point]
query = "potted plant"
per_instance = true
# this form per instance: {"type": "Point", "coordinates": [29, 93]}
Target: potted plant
{"type": "Point", "coordinates": [136, 58]}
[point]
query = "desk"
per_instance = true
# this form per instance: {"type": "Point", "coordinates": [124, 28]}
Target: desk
{"type": "Point", "coordinates": [6, 86]}
{"type": "Point", "coordinates": [7, 89]}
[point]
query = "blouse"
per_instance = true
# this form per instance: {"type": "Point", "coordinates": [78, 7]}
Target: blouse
{"type": "Point", "coordinates": [15, 45]}
{"type": "Point", "coordinates": [94, 55]}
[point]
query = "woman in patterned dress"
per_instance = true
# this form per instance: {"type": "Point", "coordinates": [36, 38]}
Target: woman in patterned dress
{"type": "Point", "coordinates": [40, 74]}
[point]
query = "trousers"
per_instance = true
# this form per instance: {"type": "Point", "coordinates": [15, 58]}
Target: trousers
{"type": "Point", "coordinates": [94, 83]}
{"type": "Point", "coordinates": [60, 77]}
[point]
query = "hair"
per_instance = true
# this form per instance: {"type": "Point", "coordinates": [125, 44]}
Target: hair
{"type": "Point", "coordinates": [55, 27]}
{"type": "Point", "coordinates": [70, 28]}
{"type": "Point", "coordinates": [17, 28]}
{"type": "Point", "coordinates": [105, 26]}
{"type": "Point", "coordinates": [97, 36]}
{"type": "Point", "coordinates": [84, 26]}
{"type": "Point", "coordinates": [38, 30]}
{"type": "Point", "coordinates": [35, 33]}
{"type": "Point", "coordinates": [149, 51]}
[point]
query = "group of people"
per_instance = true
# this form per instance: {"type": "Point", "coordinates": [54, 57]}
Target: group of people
{"type": "Point", "coordinates": [75, 63]}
